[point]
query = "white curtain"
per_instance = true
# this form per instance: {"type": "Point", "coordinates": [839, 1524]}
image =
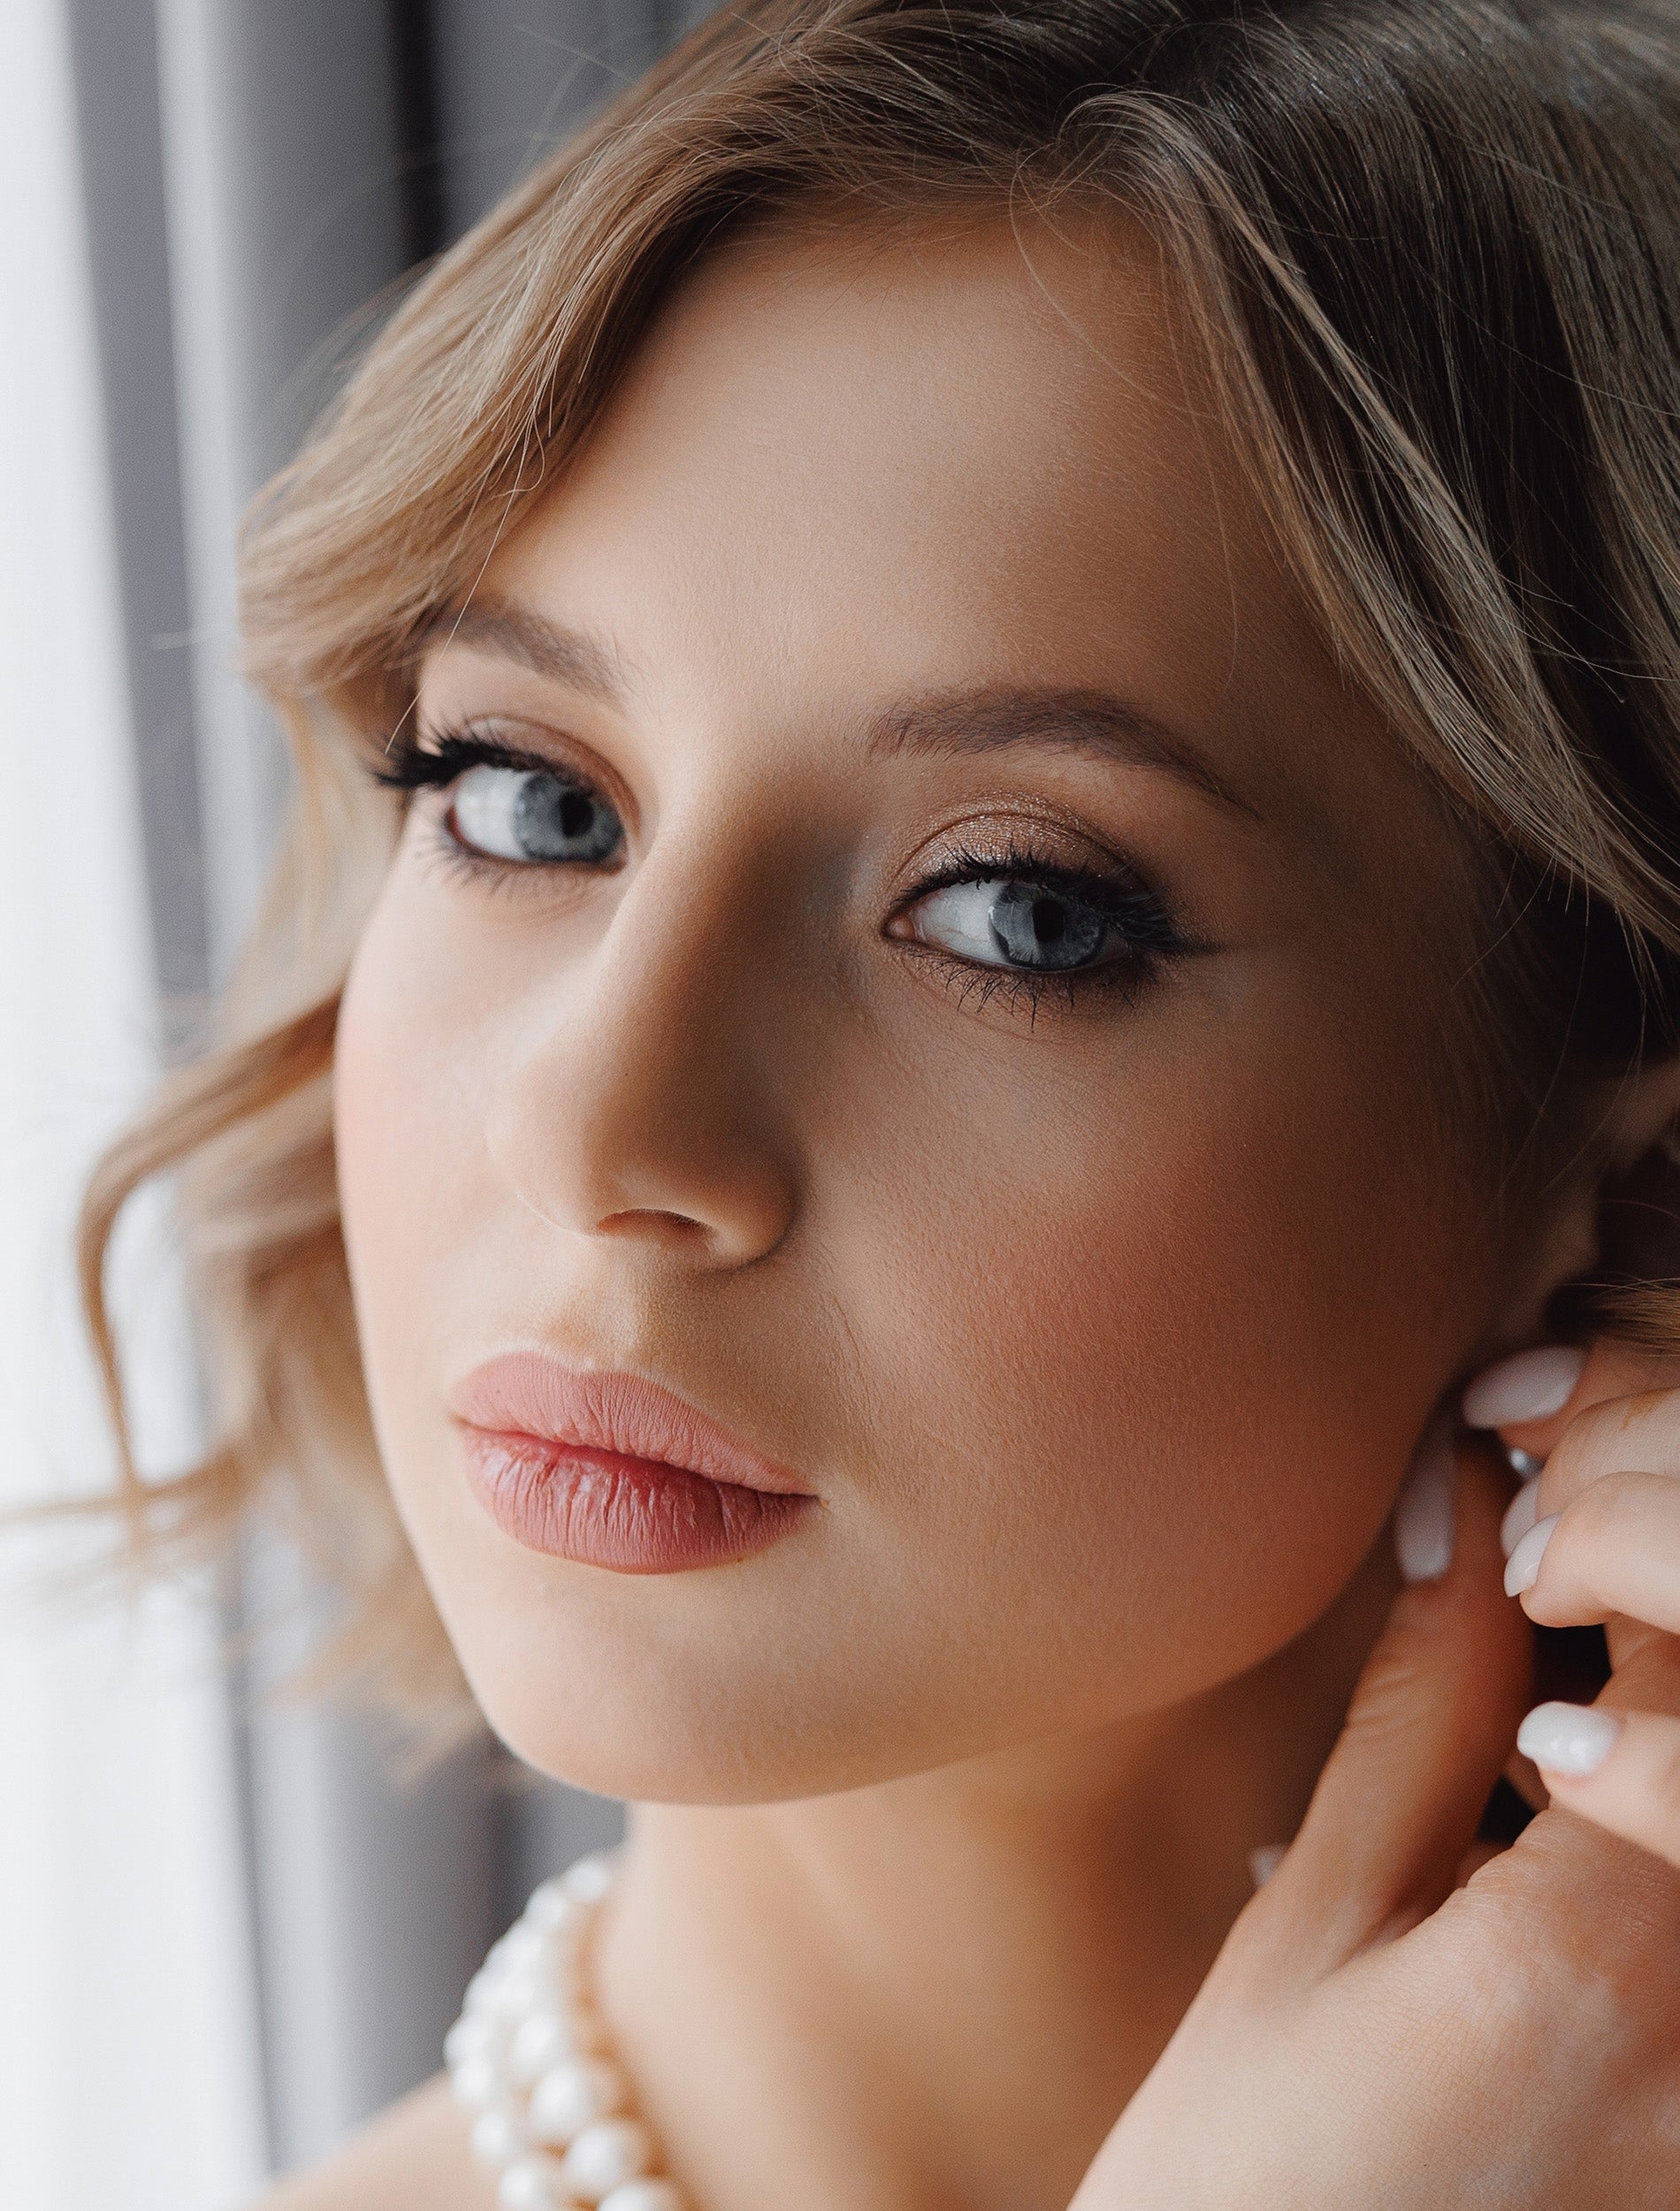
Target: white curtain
{"type": "Point", "coordinates": [226, 1931]}
{"type": "Point", "coordinates": [129, 2075]}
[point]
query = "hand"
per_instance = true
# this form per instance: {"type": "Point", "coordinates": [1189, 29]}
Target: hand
{"type": "Point", "coordinates": [1407, 2021]}
{"type": "Point", "coordinates": [1596, 1538]}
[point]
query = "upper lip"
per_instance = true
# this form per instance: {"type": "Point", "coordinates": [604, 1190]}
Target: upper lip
{"type": "Point", "coordinates": [532, 1393]}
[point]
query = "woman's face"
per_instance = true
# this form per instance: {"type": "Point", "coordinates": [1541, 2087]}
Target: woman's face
{"type": "Point", "coordinates": [951, 986]}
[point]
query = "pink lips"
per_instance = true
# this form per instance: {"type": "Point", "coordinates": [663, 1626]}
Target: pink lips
{"type": "Point", "coordinates": [612, 1471]}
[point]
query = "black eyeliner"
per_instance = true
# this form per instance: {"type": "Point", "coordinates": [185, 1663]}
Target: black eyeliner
{"type": "Point", "coordinates": [1138, 914]}
{"type": "Point", "coordinates": [408, 765]}
{"type": "Point", "coordinates": [1122, 898]}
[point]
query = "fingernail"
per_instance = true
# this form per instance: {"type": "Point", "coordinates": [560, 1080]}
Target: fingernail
{"type": "Point", "coordinates": [1264, 1861]}
{"type": "Point", "coordinates": [1424, 1510]}
{"type": "Point", "coordinates": [1570, 1739]}
{"type": "Point", "coordinates": [1526, 1465]}
{"type": "Point", "coordinates": [1529, 1386]}
{"type": "Point", "coordinates": [1520, 1516]}
{"type": "Point", "coordinates": [1523, 1567]}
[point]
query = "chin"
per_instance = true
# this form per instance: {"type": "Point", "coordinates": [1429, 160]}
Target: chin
{"type": "Point", "coordinates": [646, 1718]}
{"type": "Point", "coordinates": [679, 1749]}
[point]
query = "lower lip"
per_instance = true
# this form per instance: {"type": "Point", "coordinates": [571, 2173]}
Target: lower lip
{"type": "Point", "coordinates": [634, 1516]}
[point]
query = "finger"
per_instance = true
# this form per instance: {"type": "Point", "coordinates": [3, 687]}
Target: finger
{"type": "Point", "coordinates": [1615, 1549]}
{"type": "Point", "coordinates": [1637, 1434]}
{"type": "Point", "coordinates": [1526, 1396]}
{"type": "Point", "coordinates": [1475, 1858]}
{"type": "Point", "coordinates": [1635, 1431]}
{"type": "Point", "coordinates": [1620, 1770]}
{"type": "Point", "coordinates": [1532, 1398]}
{"type": "Point", "coordinates": [1608, 1906]}
{"type": "Point", "coordinates": [1430, 1726]}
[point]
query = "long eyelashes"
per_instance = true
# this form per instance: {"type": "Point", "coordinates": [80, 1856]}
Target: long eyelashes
{"type": "Point", "coordinates": [1147, 933]}
{"type": "Point", "coordinates": [407, 765]}
{"type": "Point", "coordinates": [1137, 913]}
{"type": "Point", "coordinates": [452, 762]}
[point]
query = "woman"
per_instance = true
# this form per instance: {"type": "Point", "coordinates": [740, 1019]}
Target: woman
{"type": "Point", "coordinates": [985, 888]}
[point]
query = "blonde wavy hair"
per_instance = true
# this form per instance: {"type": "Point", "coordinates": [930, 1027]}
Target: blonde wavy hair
{"type": "Point", "coordinates": [1431, 248]}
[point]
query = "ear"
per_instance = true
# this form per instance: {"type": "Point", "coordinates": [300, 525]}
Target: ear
{"type": "Point", "coordinates": [1638, 1232]}
{"type": "Point", "coordinates": [1617, 1212]}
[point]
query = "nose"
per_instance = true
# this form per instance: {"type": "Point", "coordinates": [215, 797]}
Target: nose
{"type": "Point", "coordinates": [642, 1105]}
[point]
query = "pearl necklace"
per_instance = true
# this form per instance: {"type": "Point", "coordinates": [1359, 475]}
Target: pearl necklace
{"type": "Point", "coordinates": [527, 2058]}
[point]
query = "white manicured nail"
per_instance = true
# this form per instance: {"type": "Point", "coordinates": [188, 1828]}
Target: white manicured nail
{"type": "Point", "coordinates": [1264, 1861]}
{"type": "Point", "coordinates": [1424, 1510]}
{"type": "Point", "coordinates": [1529, 1386]}
{"type": "Point", "coordinates": [1523, 1567]}
{"type": "Point", "coordinates": [1520, 1516]}
{"type": "Point", "coordinates": [1526, 1465]}
{"type": "Point", "coordinates": [1570, 1739]}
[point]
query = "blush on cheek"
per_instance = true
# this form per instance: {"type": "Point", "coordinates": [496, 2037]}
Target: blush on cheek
{"type": "Point", "coordinates": [401, 1161]}
{"type": "Point", "coordinates": [1183, 1395]}
{"type": "Point", "coordinates": [409, 1053]}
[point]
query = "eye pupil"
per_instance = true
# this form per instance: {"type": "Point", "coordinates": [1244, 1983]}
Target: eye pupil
{"type": "Point", "coordinates": [557, 820]}
{"type": "Point", "coordinates": [1036, 929]}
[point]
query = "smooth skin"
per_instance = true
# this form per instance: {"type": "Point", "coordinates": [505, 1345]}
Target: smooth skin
{"type": "Point", "coordinates": [1106, 1323]}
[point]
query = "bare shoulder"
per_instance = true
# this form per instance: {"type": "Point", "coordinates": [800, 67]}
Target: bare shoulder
{"type": "Point", "coordinates": [412, 2157]}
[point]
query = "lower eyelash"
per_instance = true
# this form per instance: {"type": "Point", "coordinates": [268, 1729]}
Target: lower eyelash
{"type": "Point", "coordinates": [1020, 990]}
{"type": "Point", "coordinates": [443, 849]}
{"type": "Point", "coordinates": [975, 987]}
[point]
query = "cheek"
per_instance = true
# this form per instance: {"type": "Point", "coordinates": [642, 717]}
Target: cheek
{"type": "Point", "coordinates": [1150, 1372]}
{"type": "Point", "coordinates": [404, 1119]}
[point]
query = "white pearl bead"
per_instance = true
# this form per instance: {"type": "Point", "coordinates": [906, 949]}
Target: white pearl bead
{"type": "Point", "coordinates": [467, 2037]}
{"type": "Point", "coordinates": [498, 2138]}
{"type": "Point", "coordinates": [519, 1994]}
{"type": "Point", "coordinates": [554, 1961]}
{"type": "Point", "coordinates": [479, 2082]}
{"type": "Point", "coordinates": [482, 1990]}
{"type": "Point", "coordinates": [534, 2184]}
{"type": "Point", "coordinates": [551, 1906]}
{"type": "Point", "coordinates": [644, 2195]}
{"type": "Point", "coordinates": [605, 2156]}
{"type": "Point", "coordinates": [521, 1946]}
{"type": "Point", "coordinates": [567, 2098]}
{"type": "Point", "coordinates": [477, 2034]}
{"type": "Point", "coordinates": [541, 2042]}
{"type": "Point", "coordinates": [589, 1879]}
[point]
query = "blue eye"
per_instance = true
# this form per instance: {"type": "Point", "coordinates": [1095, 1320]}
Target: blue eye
{"type": "Point", "coordinates": [1030, 927]}
{"type": "Point", "coordinates": [533, 817]}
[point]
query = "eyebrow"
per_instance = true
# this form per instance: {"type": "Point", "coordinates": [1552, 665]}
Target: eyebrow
{"type": "Point", "coordinates": [511, 632]}
{"type": "Point", "coordinates": [992, 717]}
{"type": "Point", "coordinates": [981, 719]}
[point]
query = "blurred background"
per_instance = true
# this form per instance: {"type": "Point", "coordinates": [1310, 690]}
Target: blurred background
{"type": "Point", "coordinates": [229, 1929]}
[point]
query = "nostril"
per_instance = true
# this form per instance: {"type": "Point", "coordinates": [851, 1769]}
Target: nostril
{"type": "Point", "coordinates": [645, 1222]}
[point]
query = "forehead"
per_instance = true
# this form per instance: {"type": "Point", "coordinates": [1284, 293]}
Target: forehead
{"type": "Point", "coordinates": [847, 468]}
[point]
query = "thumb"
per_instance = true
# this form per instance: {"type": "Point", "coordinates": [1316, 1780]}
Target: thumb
{"type": "Point", "coordinates": [1431, 1724]}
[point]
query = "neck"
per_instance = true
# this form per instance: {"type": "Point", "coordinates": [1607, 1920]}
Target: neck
{"type": "Point", "coordinates": [940, 1990]}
